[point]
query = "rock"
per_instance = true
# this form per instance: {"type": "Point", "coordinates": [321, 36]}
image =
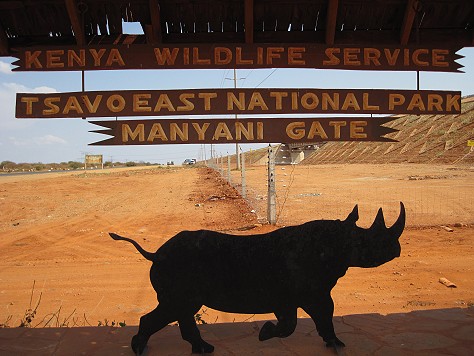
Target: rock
{"type": "Point", "coordinates": [447, 283]}
{"type": "Point", "coordinates": [447, 228]}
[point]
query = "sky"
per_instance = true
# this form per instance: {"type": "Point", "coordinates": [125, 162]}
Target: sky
{"type": "Point", "coordinates": [63, 140]}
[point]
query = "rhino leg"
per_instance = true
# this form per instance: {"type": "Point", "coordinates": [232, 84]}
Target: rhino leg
{"type": "Point", "coordinates": [190, 333]}
{"type": "Point", "coordinates": [150, 323]}
{"type": "Point", "coordinates": [285, 326]}
{"type": "Point", "coordinates": [322, 316]}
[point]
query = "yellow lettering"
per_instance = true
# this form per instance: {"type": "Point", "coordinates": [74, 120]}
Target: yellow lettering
{"type": "Point", "coordinates": [188, 105]}
{"type": "Point", "coordinates": [72, 57]}
{"type": "Point", "coordinates": [395, 100]}
{"type": "Point", "coordinates": [438, 57]}
{"type": "Point", "coordinates": [175, 131]}
{"type": "Point", "coordinates": [222, 131]}
{"type": "Point", "coordinates": [257, 100]}
{"type": "Point", "coordinates": [365, 103]}
{"type": "Point", "coordinates": [197, 60]}
{"type": "Point", "coordinates": [72, 104]}
{"type": "Point", "coordinates": [333, 102]}
{"type": "Point", "coordinates": [157, 132]}
{"type": "Point", "coordinates": [140, 103]}
{"type": "Point", "coordinates": [53, 108]}
{"type": "Point", "coordinates": [166, 57]}
{"type": "Point", "coordinates": [295, 55]}
{"type": "Point", "coordinates": [239, 59]}
{"type": "Point", "coordinates": [31, 59]}
{"type": "Point", "coordinates": [164, 102]}
{"type": "Point", "coordinates": [207, 99]}
{"type": "Point", "coordinates": [350, 102]}
{"type": "Point", "coordinates": [116, 103]}
{"type": "Point", "coordinates": [278, 95]}
{"type": "Point", "coordinates": [218, 52]}
{"type": "Point", "coordinates": [273, 52]}
{"type": "Point", "coordinates": [92, 107]}
{"type": "Point", "coordinates": [232, 100]}
{"type": "Point", "coordinates": [453, 101]}
{"type": "Point", "coordinates": [309, 101]}
{"type": "Point", "coordinates": [53, 58]}
{"type": "Point", "coordinates": [29, 103]}
{"type": "Point", "coordinates": [317, 129]}
{"type": "Point", "coordinates": [356, 129]}
{"type": "Point", "coordinates": [240, 129]}
{"type": "Point", "coordinates": [201, 131]}
{"type": "Point", "coordinates": [97, 55]}
{"type": "Point", "coordinates": [114, 57]}
{"type": "Point", "coordinates": [337, 127]}
{"type": "Point", "coordinates": [332, 59]}
{"type": "Point", "coordinates": [416, 57]}
{"type": "Point", "coordinates": [371, 55]}
{"type": "Point", "coordinates": [416, 102]}
{"type": "Point", "coordinates": [351, 57]}
{"type": "Point", "coordinates": [138, 132]}
{"type": "Point", "coordinates": [295, 130]}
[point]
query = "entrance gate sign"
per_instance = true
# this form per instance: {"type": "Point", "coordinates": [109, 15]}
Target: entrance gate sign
{"type": "Point", "coordinates": [263, 130]}
{"type": "Point", "coordinates": [236, 101]}
{"type": "Point", "coordinates": [238, 56]}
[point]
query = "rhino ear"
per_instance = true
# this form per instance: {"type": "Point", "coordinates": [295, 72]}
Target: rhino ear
{"type": "Point", "coordinates": [353, 216]}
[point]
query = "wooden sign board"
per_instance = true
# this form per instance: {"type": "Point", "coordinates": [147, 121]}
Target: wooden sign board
{"type": "Point", "coordinates": [239, 56]}
{"type": "Point", "coordinates": [93, 159]}
{"type": "Point", "coordinates": [236, 101]}
{"type": "Point", "coordinates": [259, 130]}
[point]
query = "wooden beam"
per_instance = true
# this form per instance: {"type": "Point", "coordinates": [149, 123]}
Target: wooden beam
{"type": "Point", "coordinates": [408, 20]}
{"type": "Point", "coordinates": [154, 35]}
{"type": "Point", "coordinates": [76, 22]}
{"type": "Point", "coordinates": [4, 48]}
{"type": "Point", "coordinates": [249, 27]}
{"type": "Point", "coordinates": [331, 20]}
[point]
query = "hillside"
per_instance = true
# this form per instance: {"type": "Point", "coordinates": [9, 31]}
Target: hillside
{"type": "Point", "coordinates": [421, 139]}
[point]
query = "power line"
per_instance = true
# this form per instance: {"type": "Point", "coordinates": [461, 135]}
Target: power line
{"type": "Point", "coordinates": [268, 76]}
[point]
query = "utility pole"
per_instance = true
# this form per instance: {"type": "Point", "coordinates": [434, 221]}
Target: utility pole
{"type": "Point", "coordinates": [271, 196]}
{"type": "Point", "coordinates": [236, 144]}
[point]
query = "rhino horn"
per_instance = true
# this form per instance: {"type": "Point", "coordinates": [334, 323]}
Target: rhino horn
{"type": "Point", "coordinates": [353, 216]}
{"type": "Point", "coordinates": [397, 228]}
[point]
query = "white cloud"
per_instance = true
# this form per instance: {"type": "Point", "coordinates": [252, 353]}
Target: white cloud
{"type": "Point", "coordinates": [36, 141]}
{"type": "Point", "coordinates": [49, 140]}
{"type": "Point", "coordinates": [5, 68]}
{"type": "Point", "coordinates": [7, 104]}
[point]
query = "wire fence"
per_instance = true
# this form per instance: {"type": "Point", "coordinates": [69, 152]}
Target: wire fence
{"type": "Point", "coordinates": [330, 192]}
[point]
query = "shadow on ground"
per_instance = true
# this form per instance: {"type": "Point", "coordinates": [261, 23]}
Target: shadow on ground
{"type": "Point", "coordinates": [424, 332]}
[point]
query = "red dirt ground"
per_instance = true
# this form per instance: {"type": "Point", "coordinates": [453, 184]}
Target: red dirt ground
{"type": "Point", "coordinates": [53, 231]}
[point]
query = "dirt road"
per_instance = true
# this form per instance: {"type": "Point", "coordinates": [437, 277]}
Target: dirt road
{"type": "Point", "coordinates": [53, 230]}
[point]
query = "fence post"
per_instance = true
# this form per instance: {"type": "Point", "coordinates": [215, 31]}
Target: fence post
{"type": "Point", "coordinates": [229, 178]}
{"type": "Point", "coordinates": [271, 196]}
{"type": "Point", "coordinates": [242, 175]}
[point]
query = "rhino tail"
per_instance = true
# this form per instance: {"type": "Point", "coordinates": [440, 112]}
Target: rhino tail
{"type": "Point", "coordinates": [148, 255]}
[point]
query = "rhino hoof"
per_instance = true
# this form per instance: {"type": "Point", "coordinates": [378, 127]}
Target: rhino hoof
{"type": "Point", "coordinates": [138, 344]}
{"type": "Point", "coordinates": [335, 343]}
{"type": "Point", "coordinates": [203, 348]}
{"type": "Point", "coordinates": [267, 331]}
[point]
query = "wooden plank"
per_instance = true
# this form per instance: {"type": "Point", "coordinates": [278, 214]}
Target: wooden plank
{"type": "Point", "coordinates": [331, 21]}
{"type": "Point", "coordinates": [4, 48]}
{"type": "Point", "coordinates": [248, 130]}
{"type": "Point", "coordinates": [155, 16]}
{"type": "Point", "coordinates": [76, 22]}
{"type": "Point", "coordinates": [249, 25]}
{"type": "Point", "coordinates": [408, 20]}
{"type": "Point", "coordinates": [241, 56]}
{"type": "Point", "coordinates": [236, 101]}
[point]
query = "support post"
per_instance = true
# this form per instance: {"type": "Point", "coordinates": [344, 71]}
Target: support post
{"type": "Point", "coordinates": [229, 177]}
{"type": "Point", "coordinates": [271, 196]}
{"type": "Point", "coordinates": [242, 175]}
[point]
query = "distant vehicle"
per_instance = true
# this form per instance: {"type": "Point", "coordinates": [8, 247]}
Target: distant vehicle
{"type": "Point", "coordinates": [170, 163]}
{"type": "Point", "coordinates": [189, 161]}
